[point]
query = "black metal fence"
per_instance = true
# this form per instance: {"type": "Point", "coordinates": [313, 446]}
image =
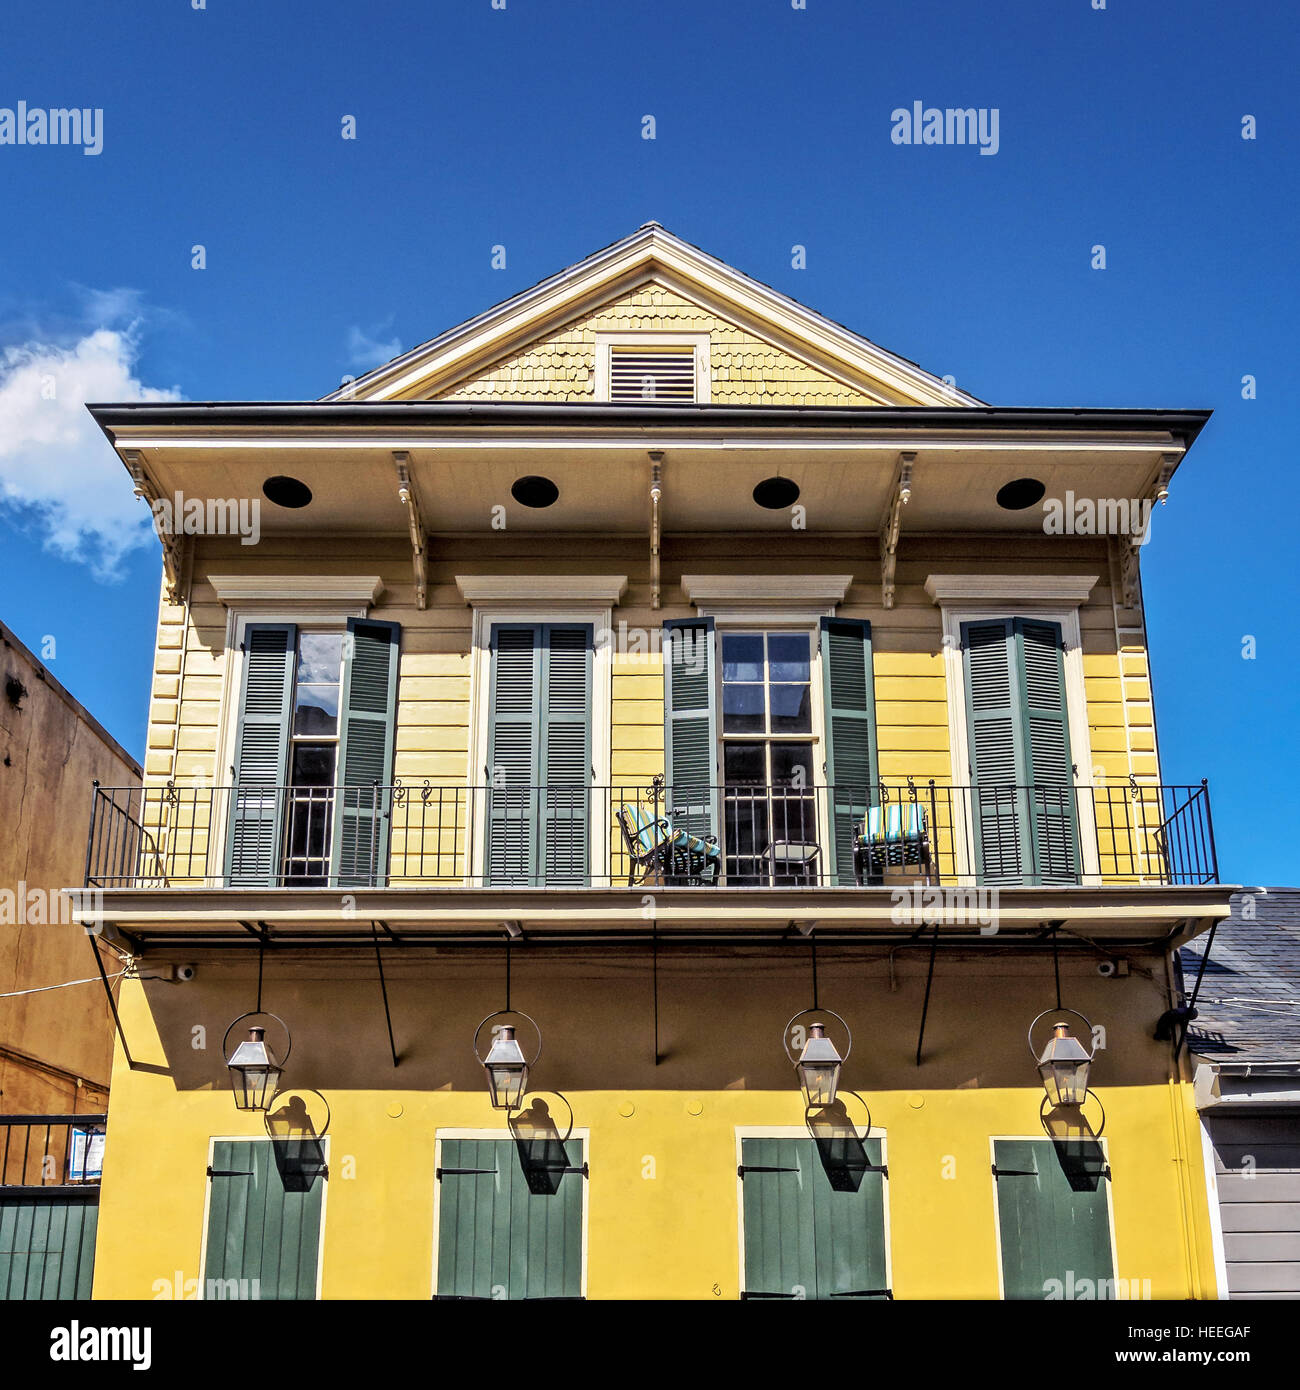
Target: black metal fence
{"type": "Point", "coordinates": [636, 834]}
{"type": "Point", "coordinates": [51, 1150]}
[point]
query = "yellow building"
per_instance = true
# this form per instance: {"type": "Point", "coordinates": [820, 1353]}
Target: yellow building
{"type": "Point", "coordinates": [657, 657]}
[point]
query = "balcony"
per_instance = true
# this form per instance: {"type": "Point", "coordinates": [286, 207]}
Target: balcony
{"type": "Point", "coordinates": [637, 836]}
{"type": "Point", "coordinates": [49, 1204]}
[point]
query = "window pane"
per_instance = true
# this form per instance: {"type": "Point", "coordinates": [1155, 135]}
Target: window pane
{"type": "Point", "coordinates": [788, 657]}
{"type": "Point", "coordinates": [792, 764]}
{"type": "Point", "coordinates": [742, 656]}
{"type": "Point", "coordinates": [316, 709]}
{"type": "Point", "coordinates": [791, 709]}
{"type": "Point", "coordinates": [742, 709]}
{"type": "Point", "coordinates": [313, 764]}
{"type": "Point", "coordinates": [320, 657]}
{"type": "Point", "coordinates": [744, 764]}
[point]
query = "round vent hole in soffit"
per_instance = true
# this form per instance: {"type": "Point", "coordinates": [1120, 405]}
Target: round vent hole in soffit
{"type": "Point", "coordinates": [1023, 492]}
{"type": "Point", "coordinates": [286, 492]}
{"type": "Point", "coordinates": [534, 492]}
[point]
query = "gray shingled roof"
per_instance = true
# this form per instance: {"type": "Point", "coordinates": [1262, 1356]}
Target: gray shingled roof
{"type": "Point", "coordinates": [1249, 1005]}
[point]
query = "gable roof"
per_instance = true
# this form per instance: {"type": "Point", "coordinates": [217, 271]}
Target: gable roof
{"type": "Point", "coordinates": [650, 254]}
{"type": "Point", "coordinates": [1249, 1006]}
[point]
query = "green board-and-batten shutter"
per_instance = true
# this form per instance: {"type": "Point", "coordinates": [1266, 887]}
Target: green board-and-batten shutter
{"type": "Point", "coordinates": [367, 718]}
{"type": "Point", "coordinates": [502, 1236]}
{"type": "Point", "coordinates": [47, 1245]}
{"type": "Point", "coordinates": [539, 753]}
{"type": "Point", "coordinates": [691, 726]}
{"type": "Point", "coordinates": [1023, 798]}
{"type": "Point", "coordinates": [259, 1228]}
{"type": "Point", "coordinates": [1053, 1219]}
{"type": "Point", "coordinates": [814, 1221]}
{"type": "Point", "coordinates": [256, 821]}
{"type": "Point", "coordinates": [851, 758]}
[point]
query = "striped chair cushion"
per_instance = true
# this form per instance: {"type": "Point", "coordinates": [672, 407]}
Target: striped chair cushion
{"type": "Point", "coordinates": [893, 822]}
{"type": "Point", "coordinates": [681, 839]}
{"type": "Point", "coordinates": [646, 831]}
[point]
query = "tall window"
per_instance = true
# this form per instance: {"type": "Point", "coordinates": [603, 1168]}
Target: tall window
{"type": "Point", "coordinates": [317, 712]}
{"type": "Point", "coordinates": [313, 757]}
{"type": "Point", "coordinates": [769, 811]}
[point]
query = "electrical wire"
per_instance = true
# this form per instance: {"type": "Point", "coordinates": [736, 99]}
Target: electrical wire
{"type": "Point", "coordinates": [64, 984]}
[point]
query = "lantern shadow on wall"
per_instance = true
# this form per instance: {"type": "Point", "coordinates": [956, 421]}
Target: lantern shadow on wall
{"type": "Point", "coordinates": [297, 1130]}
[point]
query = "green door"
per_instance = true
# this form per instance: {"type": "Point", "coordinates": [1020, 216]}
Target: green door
{"type": "Point", "coordinates": [264, 1220]}
{"type": "Point", "coordinates": [510, 1218]}
{"type": "Point", "coordinates": [814, 1218]}
{"type": "Point", "coordinates": [47, 1244]}
{"type": "Point", "coordinates": [1053, 1219]}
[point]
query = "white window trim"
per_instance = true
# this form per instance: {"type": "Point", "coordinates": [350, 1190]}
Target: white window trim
{"type": "Point", "coordinates": [216, 1139]}
{"type": "Point", "coordinates": [997, 1215]}
{"type": "Point", "coordinates": [803, 594]}
{"type": "Point", "coordinates": [634, 338]}
{"type": "Point", "coordinates": [743, 621]}
{"type": "Point", "coordinates": [744, 1132]}
{"type": "Point", "coordinates": [304, 591]}
{"type": "Point", "coordinates": [600, 618]}
{"type": "Point", "coordinates": [1076, 700]}
{"type": "Point", "coordinates": [583, 1135]}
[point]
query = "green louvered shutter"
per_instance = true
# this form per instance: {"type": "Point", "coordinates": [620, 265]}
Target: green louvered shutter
{"type": "Point", "coordinates": [539, 753]}
{"type": "Point", "coordinates": [851, 760]}
{"type": "Point", "coordinates": [47, 1245]}
{"type": "Point", "coordinates": [998, 772]}
{"type": "Point", "coordinates": [512, 770]}
{"type": "Point", "coordinates": [1023, 798]}
{"type": "Point", "coordinates": [367, 717]}
{"type": "Point", "coordinates": [814, 1219]}
{"type": "Point", "coordinates": [1053, 1219]}
{"type": "Point", "coordinates": [1046, 721]}
{"type": "Point", "coordinates": [565, 743]}
{"type": "Point", "coordinates": [259, 1228]}
{"type": "Point", "coordinates": [691, 726]}
{"type": "Point", "coordinates": [255, 832]}
{"type": "Point", "coordinates": [508, 1233]}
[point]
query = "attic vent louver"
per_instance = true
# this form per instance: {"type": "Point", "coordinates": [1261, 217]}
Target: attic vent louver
{"type": "Point", "coordinates": [652, 374]}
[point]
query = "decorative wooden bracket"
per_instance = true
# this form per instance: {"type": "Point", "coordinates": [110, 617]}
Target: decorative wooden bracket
{"type": "Point", "coordinates": [656, 496]}
{"type": "Point", "coordinates": [1168, 462]}
{"type": "Point", "coordinates": [1129, 548]}
{"type": "Point", "coordinates": [900, 493]}
{"type": "Point", "coordinates": [409, 498]}
{"type": "Point", "coordinates": [173, 538]}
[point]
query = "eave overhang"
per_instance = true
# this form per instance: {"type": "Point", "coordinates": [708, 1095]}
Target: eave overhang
{"type": "Point", "coordinates": [460, 461]}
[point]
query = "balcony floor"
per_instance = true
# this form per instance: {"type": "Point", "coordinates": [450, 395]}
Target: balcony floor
{"type": "Point", "coordinates": [1148, 914]}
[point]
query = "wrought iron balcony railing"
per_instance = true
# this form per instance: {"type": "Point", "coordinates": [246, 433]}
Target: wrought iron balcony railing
{"type": "Point", "coordinates": [636, 835]}
{"type": "Point", "coordinates": [51, 1151]}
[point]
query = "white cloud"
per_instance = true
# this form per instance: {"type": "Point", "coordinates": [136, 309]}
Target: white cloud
{"type": "Point", "coordinates": [57, 471]}
{"type": "Point", "coordinates": [366, 350]}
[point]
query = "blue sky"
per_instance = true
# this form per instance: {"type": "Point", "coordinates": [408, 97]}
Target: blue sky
{"type": "Point", "coordinates": [522, 127]}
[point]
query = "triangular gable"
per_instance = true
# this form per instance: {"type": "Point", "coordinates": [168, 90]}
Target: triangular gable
{"type": "Point", "coordinates": [765, 347]}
